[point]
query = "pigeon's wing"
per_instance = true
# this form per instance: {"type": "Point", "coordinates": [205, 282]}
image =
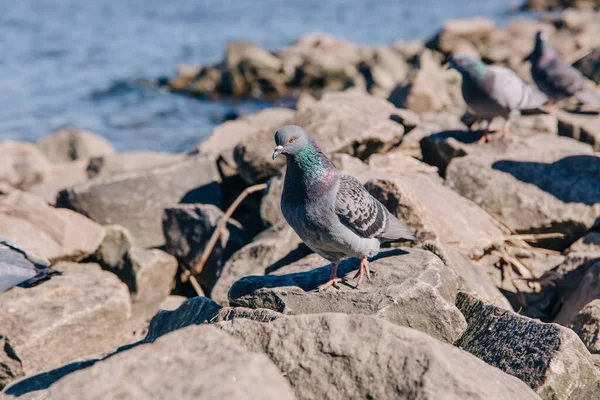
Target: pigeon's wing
{"type": "Point", "coordinates": [559, 77]}
{"type": "Point", "coordinates": [511, 92]}
{"type": "Point", "coordinates": [37, 260]}
{"type": "Point", "coordinates": [365, 215]}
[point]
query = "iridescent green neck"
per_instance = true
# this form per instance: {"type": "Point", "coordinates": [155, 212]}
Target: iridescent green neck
{"type": "Point", "coordinates": [479, 68]}
{"type": "Point", "coordinates": [310, 161]}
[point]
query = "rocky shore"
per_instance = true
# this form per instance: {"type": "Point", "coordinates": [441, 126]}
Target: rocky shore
{"type": "Point", "coordinates": [500, 300]}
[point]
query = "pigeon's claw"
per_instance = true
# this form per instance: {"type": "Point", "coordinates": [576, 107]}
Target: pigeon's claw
{"type": "Point", "coordinates": [332, 282]}
{"type": "Point", "coordinates": [363, 270]}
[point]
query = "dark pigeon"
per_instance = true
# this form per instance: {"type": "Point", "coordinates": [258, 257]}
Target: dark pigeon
{"type": "Point", "coordinates": [331, 212]}
{"type": "Point", "coordinates": [555, 77]}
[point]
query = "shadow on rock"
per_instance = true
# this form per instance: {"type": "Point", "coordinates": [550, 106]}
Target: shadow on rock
{"type": "Point", "coordinates": [306, 281]}
{"type": "Point", "coordinates": [557, 178]}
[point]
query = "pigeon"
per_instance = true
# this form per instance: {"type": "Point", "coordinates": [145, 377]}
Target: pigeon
{"type": "Point", "coordinates": [555, 77]}
{"type": "Point", "coordinates": [332, 213]}
{"type": "Point", "coordinates": [22, 268]}
{"type": "Point", "coordinates": [492, 91]}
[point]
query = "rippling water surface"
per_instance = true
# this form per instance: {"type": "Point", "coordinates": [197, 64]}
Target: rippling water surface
{"type": "Point", "coordinates": [74, 62]}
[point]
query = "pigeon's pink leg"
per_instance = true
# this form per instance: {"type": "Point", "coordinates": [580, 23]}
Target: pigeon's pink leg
{"type": "Point", "coordinates": [485, 137]}
{"type": "Point", "coordinates": [333, 279]}
{"type": "Point", "coordinates": [506, 128]}
{"type": "Point", "coordinates": [362, 270]}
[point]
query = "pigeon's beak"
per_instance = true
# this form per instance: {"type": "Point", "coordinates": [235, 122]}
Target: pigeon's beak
{"type": "Point", "coordinates": [277, 151]}
{"type": "Point", "coordinates": [529, 57]}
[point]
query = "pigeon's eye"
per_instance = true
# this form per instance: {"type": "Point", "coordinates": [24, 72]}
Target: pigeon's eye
{"type": "Point", "coordinates": [292, 139]}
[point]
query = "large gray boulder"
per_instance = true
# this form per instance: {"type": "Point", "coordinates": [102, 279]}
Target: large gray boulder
{"type": "Point", "coordinates": [410, 288]}
{"type": "Point", "coordinates": [349, 122]}
{"type": "Point", "coordinates": [549, 358]}
{"type": "Point", "coordinates": [56, 234]}
{"type": "Point", "coordinates": [540, 184]}
{"type": "Point", "coordinates": [60, 177]}
{"type": "Point", "coordinates": [137, 200]}
{"type": "Point", "coordinates": [337, 356]}
{"type": "Point", "coordinates": [82, 312]}
{"type": "Point", "coordinates": [162, 370]}
{"type": "Point", "coordinates": [274, 247]}
{"type": "Point", "coordinates": [73, 144]}
{"type": "Point", "coordinates": [188, 229]}
{"type": "Point", "coordinates": [587, 290]}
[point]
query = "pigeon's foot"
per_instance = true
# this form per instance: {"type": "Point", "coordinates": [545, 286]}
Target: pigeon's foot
{"type": "Point", "coordinates": [506, 130]}
{"type": "Point", "coordinates": [486, 137]}
{"type": "Point", "coordinates": [363, 270]}
{"type": "Point", "coordinates": [331, 282]}
{"type": "Point", "coordinates": [333, 279]}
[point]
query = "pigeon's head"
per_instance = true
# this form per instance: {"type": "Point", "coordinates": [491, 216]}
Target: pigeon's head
{"type": "Point", "coordinates": [541, 43]}
{"type": "Point", "coordinates": [467, 63]}
{"type": "Point", "coordinates": [289, 140]}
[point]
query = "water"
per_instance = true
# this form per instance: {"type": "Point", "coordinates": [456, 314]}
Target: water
{"type": "Point", "coordinates": [74, 63]}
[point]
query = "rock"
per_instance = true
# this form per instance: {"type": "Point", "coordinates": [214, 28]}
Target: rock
{"type": "Point", "coordinates": [10, 364]}
{"type": "Point", "coordinates": [59, 177]}
{"type": "Point", "coordinates": [396, 162]}
{"type": "Point", "coordinates": [458, 31]}
{"type": "Point", "coordinates": [584, 128]}
{"type": "Point", "coordinates": [150, 276]}
{"type": "Point", "coordinates": [587, 290]}
{"type": "Point", "coordinates": [82, 312]}
{"type": "Point", "coordinates": [133, 374]}
{"type": "Point", "coordinates": [411, 288]}
{"type": "Point", "coordinates": [432, 210]}
{"type": "Point", "coordinates": [430, 88]}
{"type": "Point", "coordinates": [337, 356]}
{"type": "Point", "coordinates": [55, 234]}
{"type": "Point", "coordinates": [137, 200]}
{"type": "Point", "coordinates": [113, 250]}
{"type": "Point", "coordinates": [22, 164]}
{"type": "Point", "coordinates": [587, 326]}
{"type": "Point", "coordinates": [202, 310]}
{"type": "Point", "coordinates": [350, 122]}
{"type": "Point", "coordinates": [189, 227]}
{"type": "Point", "coordinates": [115, 164]}
{"type": "Point", "coordinates": [195, 311]}
{"type": "Point", "coordinates": [274, 247]}
{"type": "Point", "coordinates": [171, 303]}
{"type": "Point", "coordinates": [227, 135]}
{"type": "Point", "coordinates": [549, 358]}
{"type": "Point", "coordinates": [73, 144]}
{"type": "Point", "coordinates": [539, 184]}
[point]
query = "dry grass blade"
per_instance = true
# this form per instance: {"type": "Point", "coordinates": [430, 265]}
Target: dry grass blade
{"type": "Point", "coordinates": [221, 225]}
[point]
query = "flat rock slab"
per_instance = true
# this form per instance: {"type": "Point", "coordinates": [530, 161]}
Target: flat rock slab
{"type": "Point", "coordinates": [82, 312]}
{"type": "Point", "coordinates": [56, 234]}
{"type": "Point", "coordinates": [549, 358]}
{"type": "Point", "coordinates": [201, 310]}
{"type": "Point", "coordinates": [540, 184]}
{"type": "Point", "coordinates": [411, 288]}
{"type": "Point", "coordinates": [337, 356]}
{"type": "Point", "coordinates": [73, 144]}
{"type": "Point", "coordinates": [114, 164]}
{"type": "Point", "coordinates": [137, 200]}
{"type": "Point", "coordinates": [223, 368]}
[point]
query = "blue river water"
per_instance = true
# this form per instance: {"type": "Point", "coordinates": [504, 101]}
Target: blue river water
{"type": "Point", "coordinates": [74, 63]}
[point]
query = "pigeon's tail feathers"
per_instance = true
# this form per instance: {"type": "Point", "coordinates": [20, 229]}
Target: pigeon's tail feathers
{"type": "Point", "coordinates": [396, 230]}
{"type": "Point", "coordinates": [588, 96]}
{"type": "Point", "coordinates": [43, 274]}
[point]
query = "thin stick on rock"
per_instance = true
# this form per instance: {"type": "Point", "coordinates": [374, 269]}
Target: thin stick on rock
{"type": "Point", "coordinates": [221, 225]}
